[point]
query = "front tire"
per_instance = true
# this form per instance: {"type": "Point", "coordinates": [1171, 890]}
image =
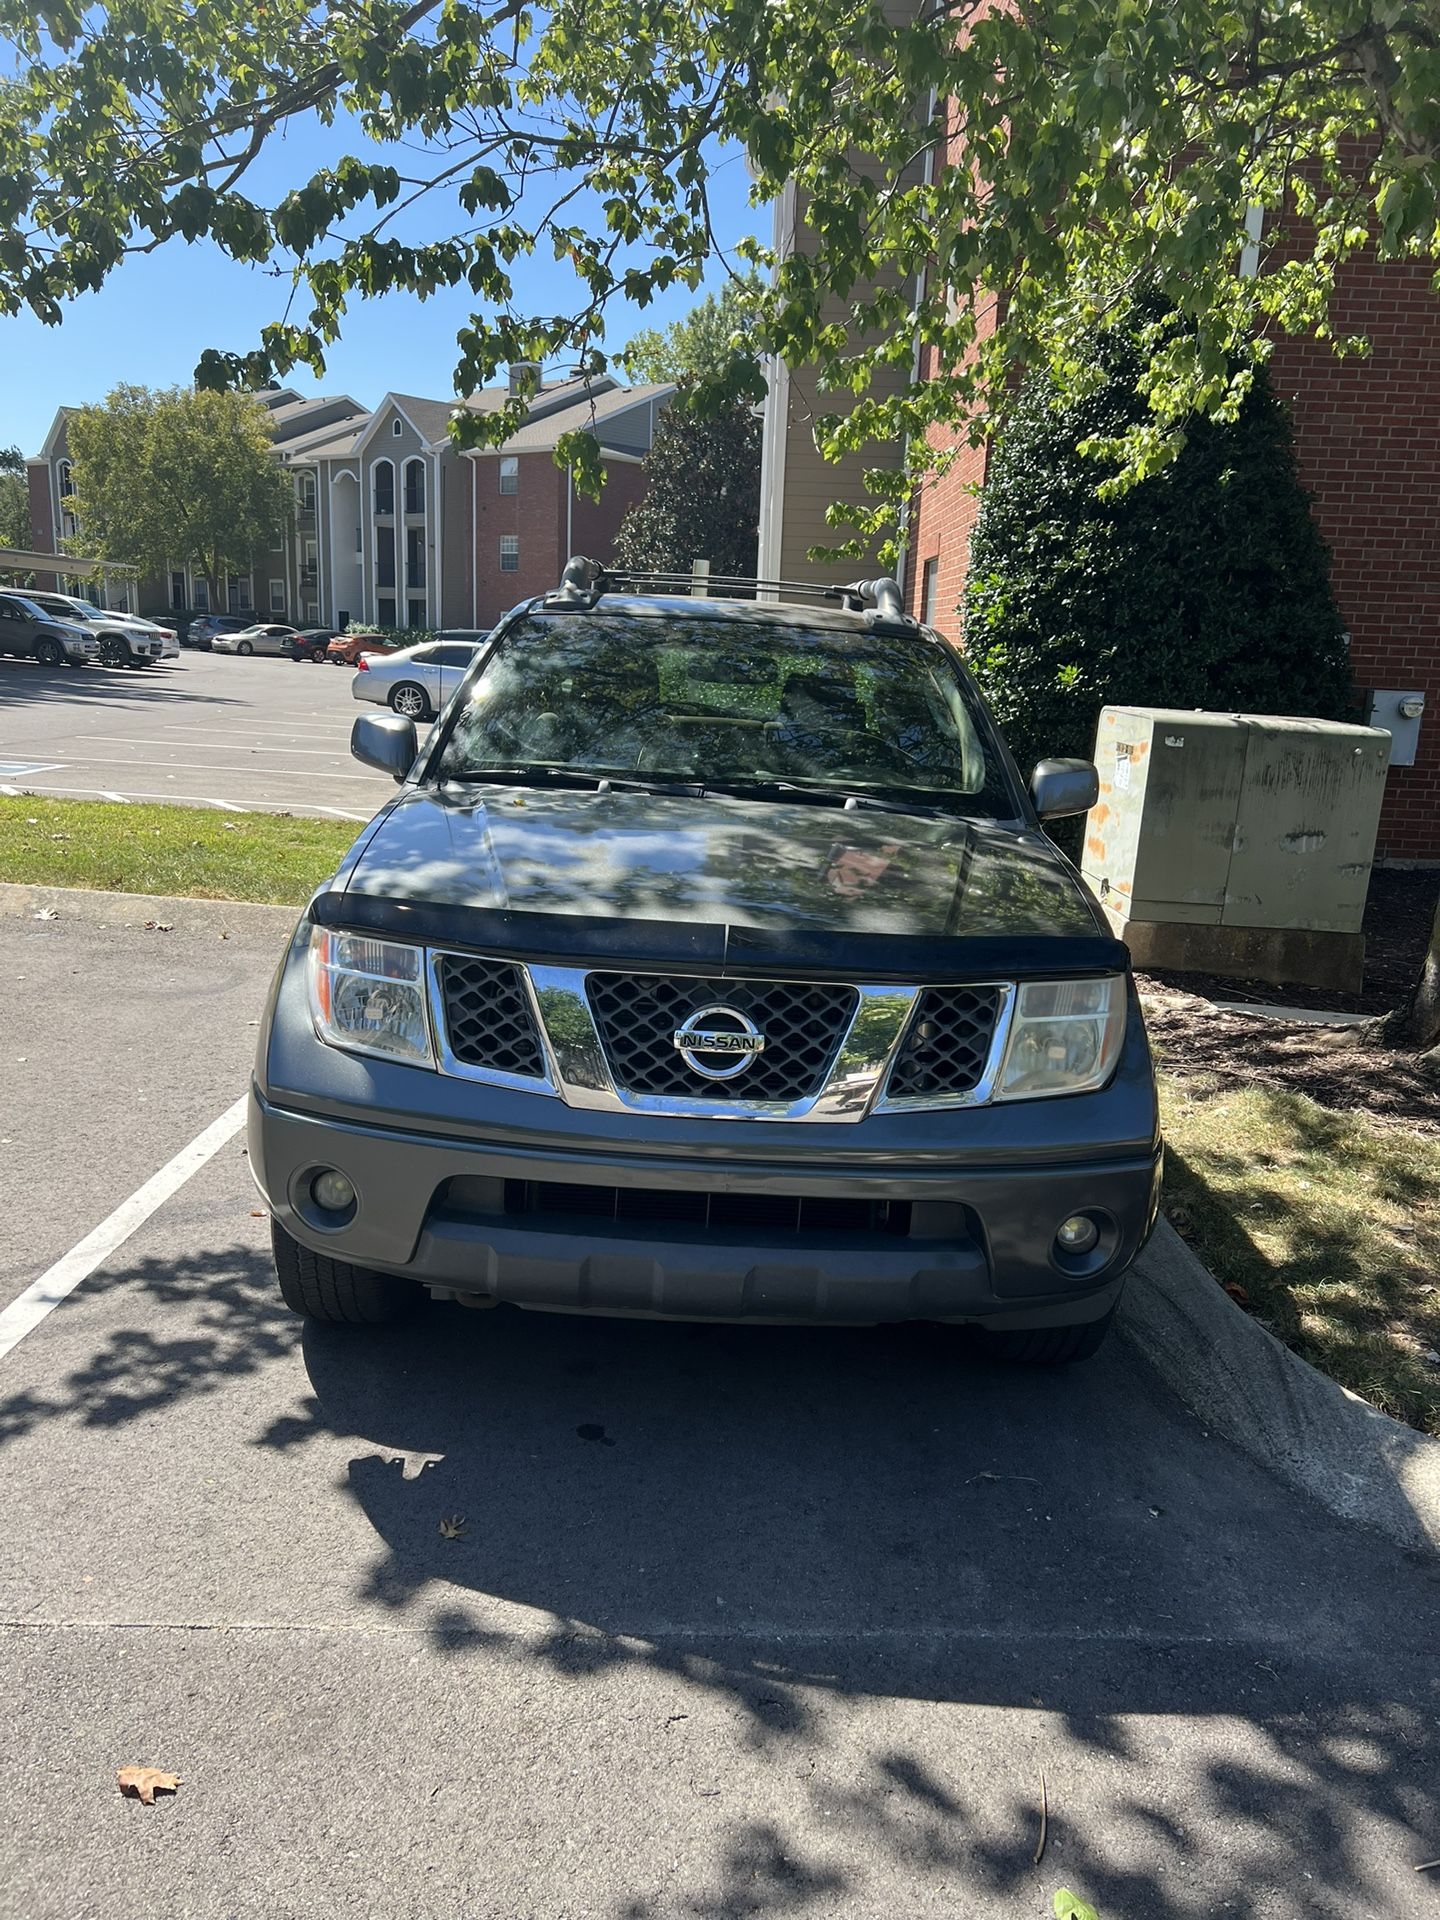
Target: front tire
{"type": "Point", "coordinates": [244, 647]}
{"type": "Point", "coordinates": [411, 701]}
{"type": "Point", "coordinates": [49, 653]}
{"type": "Point", "coordinates": [1046, 1346]}
{"type": "Point", "coordinates": [333, 1290]}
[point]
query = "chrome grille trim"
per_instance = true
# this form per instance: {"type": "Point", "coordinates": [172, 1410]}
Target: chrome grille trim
{"type": "Point", "coordinates": [448, 1060]}
{"type": "Point", "coordinates": [577, 1070]}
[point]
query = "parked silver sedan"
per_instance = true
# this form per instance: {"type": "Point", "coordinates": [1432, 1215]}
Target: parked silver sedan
{"type": "Point", "coordinates": [264, 637]}
{"type": "Point", "coordinates": [418, 681]}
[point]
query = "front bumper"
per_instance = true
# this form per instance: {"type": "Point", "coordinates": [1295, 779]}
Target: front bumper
{"type": "Point", "coordinates": [470, 1216]}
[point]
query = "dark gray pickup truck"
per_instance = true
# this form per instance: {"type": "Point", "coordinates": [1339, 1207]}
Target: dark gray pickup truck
{"type": "Point", "coordinates": [711, 962]}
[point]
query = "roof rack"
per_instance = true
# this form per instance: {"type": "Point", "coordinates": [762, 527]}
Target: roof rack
{"type": "Point", "coordinates": [585, 581]}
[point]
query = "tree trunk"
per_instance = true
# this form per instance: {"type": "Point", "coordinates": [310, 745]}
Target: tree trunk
{"type": "Point", "coordinates": [1416, 1025]}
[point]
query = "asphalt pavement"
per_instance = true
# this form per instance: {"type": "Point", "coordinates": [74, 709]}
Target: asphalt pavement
{"type": "Point", "coordinates": [208, 729]}
{"type": "Point", "coordinates": [734, 1622]}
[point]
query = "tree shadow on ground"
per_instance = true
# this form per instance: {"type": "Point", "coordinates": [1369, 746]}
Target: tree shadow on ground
{"type": "Point", "coordinates": [1233, 1698]}
{"type": "Point", "coordinates": [1310, 1239]}
{"type": "Point", "coordinates": [23, 683]}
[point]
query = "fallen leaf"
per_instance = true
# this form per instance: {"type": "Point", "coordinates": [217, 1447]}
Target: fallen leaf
{"type": "Point", "coordinates": [257, 1213]}
{"type": "Point", "coordinates": [1237, 1293]}
{"type": "Point", "coordinates": [47, 913]}
{"type": "Point", "coordinates": [145, 1782]}
{"type": "Point", "coordinates": [453, 1527]}
{"type": "Point", "coordinates": [159, 926]}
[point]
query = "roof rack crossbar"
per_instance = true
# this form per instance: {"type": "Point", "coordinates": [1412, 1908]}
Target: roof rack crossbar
{"type": "Point", "coordinates": [584, 582]}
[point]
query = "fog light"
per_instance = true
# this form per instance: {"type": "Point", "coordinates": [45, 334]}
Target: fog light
{"type": "Point", "coordinates": [1078, 1234]}
{"type": "Point", "coordinates": [332, 1191]}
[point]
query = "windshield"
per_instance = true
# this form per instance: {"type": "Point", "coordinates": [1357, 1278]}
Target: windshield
{"type": "Point", "coordinates": [674, 698]}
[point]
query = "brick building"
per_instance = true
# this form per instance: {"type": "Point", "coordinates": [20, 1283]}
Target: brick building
{"type": "Point", "coordinates": [1367, 437]}
{"type": "Point", "coordinates": [395, 526]}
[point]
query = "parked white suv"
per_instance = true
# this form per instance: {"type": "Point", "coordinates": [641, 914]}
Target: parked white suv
{"type": "Point", "coordinates": [33, 632]}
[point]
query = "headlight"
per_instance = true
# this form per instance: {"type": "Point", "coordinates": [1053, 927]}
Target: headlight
{"type": "Point", "coordinates": [1065, 1038]}
{"type": "Point", "coordinates": [369, 996]}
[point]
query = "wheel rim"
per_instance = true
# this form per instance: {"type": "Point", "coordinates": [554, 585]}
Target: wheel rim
{"type": "Point", "coordinates": [48, 654]}
{"type": "Point", "coordinates": [245, 647]}
{"type": "Point", "coordinates": [409, 701]}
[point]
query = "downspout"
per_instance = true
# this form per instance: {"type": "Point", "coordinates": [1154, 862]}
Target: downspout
{"type": "Point", "coordinates": [474, 541]}
{"type": "Point", "coordinates": [922, 277]}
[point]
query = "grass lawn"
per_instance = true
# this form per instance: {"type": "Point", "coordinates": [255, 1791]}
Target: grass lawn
{"type": "Point", "coordinates": [194, 851]}
{"type": "Point", "coordinates": [1325, 1224]}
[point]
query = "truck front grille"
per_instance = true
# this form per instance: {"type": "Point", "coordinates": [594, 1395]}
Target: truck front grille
{"type": "Point", "coordinates": [487, 1016]}
{"type": "Point", "coordinates": [638, 1016]}
{"type": "Point", "coordinates": [948, 1043]}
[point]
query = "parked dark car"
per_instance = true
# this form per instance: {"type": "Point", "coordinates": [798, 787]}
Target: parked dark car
{"type": "Point", "coordinates": [312, 643]}
{"type": "Point", "coordinates": [201, 631]}
{"type": "Point", "coordinates": [712, 961]}
{"type": "Point", "coordinates": [28, 630]}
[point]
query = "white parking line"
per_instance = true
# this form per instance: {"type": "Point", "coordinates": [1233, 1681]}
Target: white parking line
{"type": "Point", "coordinates": [23, 1315]}
{"type": "Point", "coordinates": [130, 740]}
{"type": "Point", "coordinates": [186, 799]}
{"type": "Point", "coordinates": [152, 765]}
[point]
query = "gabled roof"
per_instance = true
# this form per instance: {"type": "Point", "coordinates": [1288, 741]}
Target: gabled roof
{"type": "Point", "coordinates": [600, 413]}
{"type": "Point", "coordinates": [332, 440]}
{"type": "Point", "coordinates": [568, 399]}
{"type": "Point", "coordinates": [57, 427]}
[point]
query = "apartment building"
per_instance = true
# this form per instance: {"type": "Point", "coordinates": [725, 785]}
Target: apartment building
{"type": "Point", "coordinates": [393, 524]}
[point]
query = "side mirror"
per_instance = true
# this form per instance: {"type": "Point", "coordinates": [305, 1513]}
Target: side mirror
{"type": "Point", "coordinates": [386, 741]}
{"type": "Point", "coordinates": [1062, 787]}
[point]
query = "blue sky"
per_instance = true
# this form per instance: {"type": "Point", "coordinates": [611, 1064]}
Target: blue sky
{"type": "Point", "coordinates": [150, 322]}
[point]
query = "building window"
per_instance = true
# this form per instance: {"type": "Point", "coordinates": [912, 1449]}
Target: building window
{"type": "Point", "coordinates": [202, 596]}
{"type": "Point", "coordinates": [414, 556]}
{"type": "Point", "coordinates": [310, 571]}
{"type": "Point", "coordinates": [237, 593]}
{"type": "Point", "coordinates": [312, 613]}
{"type": "Point", "coordinates": [929, 581]}
{"type": "Point", "coordinates": [384, 556]}
{"type": "Point", "coordinates": [384, 487]}
{"type": "Point", "coordinates": [396, 427]}
{"type": "Point", "coordinates": [177, 591]}
{"type": "Point", "coordinates": [277, 596]}
{"type": "Point", "coordinates": [416, 613]}
{"type": "Point", "coordinates": [385, 612]}
{"type": "Point", "coordinates": [414, 486]}
{"type": "Point", "coordinates": [509, 553]}
{"type": "Point", "coordinates": [67, 487]}
{"type": "Point", "coordinates": [307, 492]}
{"type": "Point", "coordinates": [510, 474]}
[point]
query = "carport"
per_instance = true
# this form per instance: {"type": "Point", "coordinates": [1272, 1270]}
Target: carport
{"type": "Point", "coordinates": [68, 566]}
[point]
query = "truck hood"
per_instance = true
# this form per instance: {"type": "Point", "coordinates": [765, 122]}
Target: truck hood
{"type": "Point", "coordinates": [716, 862]}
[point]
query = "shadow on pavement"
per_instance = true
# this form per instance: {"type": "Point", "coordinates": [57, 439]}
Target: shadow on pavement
{"type": "Point", "coordinates": [789, 1520]}
{"type": "Point", "coordinates": [23, 683]}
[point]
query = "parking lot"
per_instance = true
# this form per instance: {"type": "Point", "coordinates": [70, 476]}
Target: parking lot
{"type": "Point", "coordinates": [733, 1622]}
{"type": "Point", "coordinates": [208, 730]}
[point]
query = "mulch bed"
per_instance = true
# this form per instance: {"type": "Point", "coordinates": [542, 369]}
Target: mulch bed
{"type": "Point", "coordinates": [1337, 1066]}
{"type": "Point", "coordinates": [1340, 1067]}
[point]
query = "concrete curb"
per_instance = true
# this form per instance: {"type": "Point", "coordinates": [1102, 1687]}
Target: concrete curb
{"type": "Point", "coordinates": [181, 914]}
{"type": "Point", "coordinates": [1244, 1385]}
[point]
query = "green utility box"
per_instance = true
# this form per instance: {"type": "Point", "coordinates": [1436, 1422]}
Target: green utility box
{"type": "Point", "coordinates": [1237, 843]}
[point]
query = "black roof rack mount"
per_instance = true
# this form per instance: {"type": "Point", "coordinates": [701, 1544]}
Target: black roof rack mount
{"type": "Point", "coordinates": [585, 581]}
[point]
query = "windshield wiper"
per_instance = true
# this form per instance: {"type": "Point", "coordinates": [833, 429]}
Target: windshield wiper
{"type": "Point", "coordinates": [820, 794]}
{"type": "Point", "coordinates": [535, 773]}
